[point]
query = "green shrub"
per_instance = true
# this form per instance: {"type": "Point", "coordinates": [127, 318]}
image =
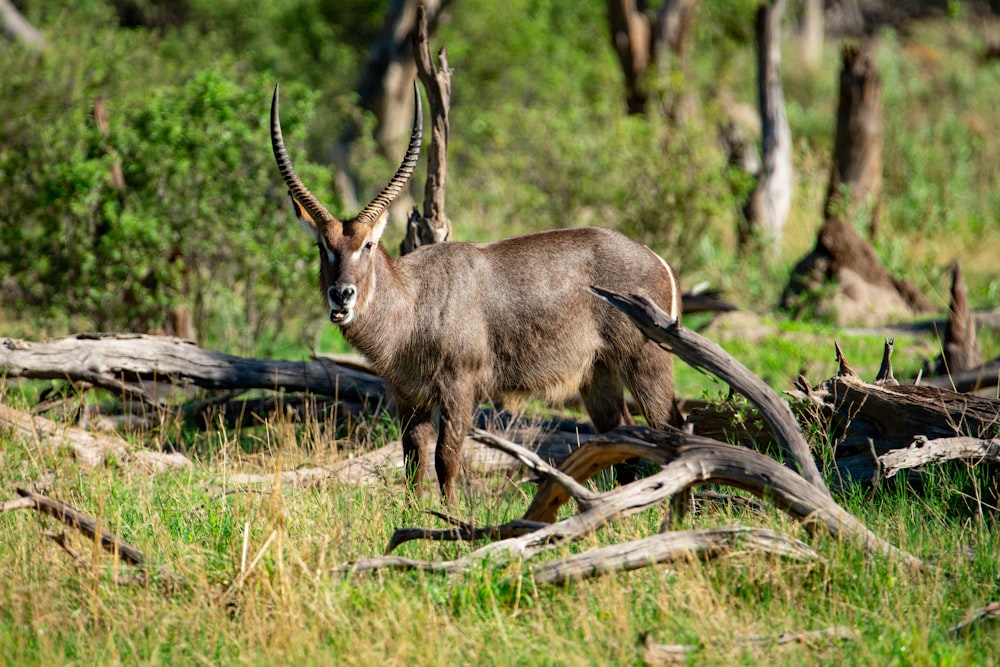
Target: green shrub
{"type": "Point", "coordinates": [200, 221]}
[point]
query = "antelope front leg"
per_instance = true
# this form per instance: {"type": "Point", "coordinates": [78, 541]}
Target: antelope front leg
{"type": "Point", "coordinates": [418, 434]}
{"type": "Point", "coordinates": [448, 462]}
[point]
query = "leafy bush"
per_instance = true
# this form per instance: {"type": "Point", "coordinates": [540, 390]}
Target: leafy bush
{"type": "Point", "coordinates": [200, 220]}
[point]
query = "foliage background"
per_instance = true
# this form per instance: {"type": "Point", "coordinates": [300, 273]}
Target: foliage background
{"type": "Point", "coordinates": [539, 140]}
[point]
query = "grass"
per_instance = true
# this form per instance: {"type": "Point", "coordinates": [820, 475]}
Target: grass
{"type": "Point", "coordinates": [293, 609]}
{"type": "Point", "coordinates": [290, 607]}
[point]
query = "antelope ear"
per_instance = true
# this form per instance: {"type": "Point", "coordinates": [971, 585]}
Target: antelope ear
{"type": "Point", "coordinates": [379, 227]}
{"type": "Point", "coordinates": [304, 218]}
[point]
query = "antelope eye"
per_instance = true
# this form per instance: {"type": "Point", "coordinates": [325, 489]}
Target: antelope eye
{"type": "Point", "coordinates": [368, 246]}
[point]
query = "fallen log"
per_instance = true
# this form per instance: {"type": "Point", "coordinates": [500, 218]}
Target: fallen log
{"type": "Point", "coordinates": [90, 449]}
{"type": "Point", "coordinates": [131, 364]}
{"type": "Point", "coordinates": [687, 460]}
{"type": "Point", "coordinates": [867, 421]}
{"type": "Point", "coordinates": [922, 452]}
{"type": "Point", "coordinates": [705, 544]}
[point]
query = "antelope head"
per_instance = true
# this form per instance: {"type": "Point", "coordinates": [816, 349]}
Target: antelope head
{"type": "Point", "coordinates": [348, 249]}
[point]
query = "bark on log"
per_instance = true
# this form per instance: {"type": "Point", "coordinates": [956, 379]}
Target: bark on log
{"type": "Point", "coordinates": [433, 226]}
{"type": "Point", "coordinates": [90, 449]}
{"type": "Point", "coordinates": [705, 544]}
{"type": "Point", "coordinates": [133, 363]}
{"type": "Point", "coordinates": [868, 420]}
{"type": "Point", "coordinates": [771, 199]}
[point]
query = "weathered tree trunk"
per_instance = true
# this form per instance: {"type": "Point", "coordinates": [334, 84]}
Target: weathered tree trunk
{"type": "Point", "coordinates": [855, 184]}
{"type": "Point", "coordinates": [632, 39]}
{"type": "Point", "coordinates": [866, 292]}
{"type": "Point", "coordinates": [638, 41]}
{"type": "Point", "coordinates": [810, 34]}
{"type": "Point", "coordinates": [385, 88]}
{"type": "Point", "coordinates": [771, 199]}
{"type": "Point", "coordinates": [433, 226]}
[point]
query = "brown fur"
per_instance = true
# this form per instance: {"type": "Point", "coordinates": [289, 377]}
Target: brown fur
{"type": "Point", "coordinates": [452, 324]}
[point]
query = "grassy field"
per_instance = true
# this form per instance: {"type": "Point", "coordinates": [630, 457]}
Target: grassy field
{"type": "Point", "coordinates": [533, 147]}
{"type": "Point", "coordinates": [270, 596]}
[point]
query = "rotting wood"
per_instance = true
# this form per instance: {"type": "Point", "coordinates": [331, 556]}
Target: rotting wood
{"type": "Point", "coordinates": [704, 544]}
{"type": "Point", "coordinates": [924, 452]}
{"type": "Point", "coordinates": [132, 363]}
{"type": "Point", "coordinates": [90, 449]}
{"type": "Point", "coordinates": [866, 421]}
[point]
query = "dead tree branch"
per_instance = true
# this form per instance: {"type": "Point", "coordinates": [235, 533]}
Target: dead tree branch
{"type": "Point", "coordinates": [669, 547]}
{"type": "Point", "coordinates": [77, 520]}
{"type": "Point", "coordinates": [706, 356]}
{"type": "Point", "coordinates": [927, 452]}
{"type": "Point", "coordinates": [433, 226]}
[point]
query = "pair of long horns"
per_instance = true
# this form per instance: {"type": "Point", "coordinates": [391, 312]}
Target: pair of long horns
{"type": "Point", "coordinates": [374, 210]}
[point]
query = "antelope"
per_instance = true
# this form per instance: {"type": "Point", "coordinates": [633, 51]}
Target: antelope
{"type": "Point", "coordinates": [452, 324]}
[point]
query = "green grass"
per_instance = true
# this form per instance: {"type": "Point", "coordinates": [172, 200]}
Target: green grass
{"type": "Point", "coordinates": [531, 147]}
{"type": "Point", "coordinates": [293, 609]}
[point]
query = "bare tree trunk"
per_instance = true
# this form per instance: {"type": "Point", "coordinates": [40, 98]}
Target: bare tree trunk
{"type": "Point", "coordinates": [385, 88]}
{"type": "Point", "coordinates": [638, 40]}
{"type": "Point", "coordinates": [771, 199]}
{"type": "Point", "coordinates": [856, 174]}
{"type": "Point", "coordinates": [672, 34]}
{"type": "Point", "coordinates": [631, 36]}
{"type": "Point", "coordinates": [867, 293]}
{"type": "Point", "coordinates": [16, 28]}
{"type": "Point", "coordinates": [433, 226]}
{"type": "Point", "coordinates": [809, 37]}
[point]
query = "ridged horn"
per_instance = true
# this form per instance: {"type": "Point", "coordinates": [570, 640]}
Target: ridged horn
{"type": "Point", "coordinates": [295, 187]}
{"type": "Point", "coordinates": [371, 213]}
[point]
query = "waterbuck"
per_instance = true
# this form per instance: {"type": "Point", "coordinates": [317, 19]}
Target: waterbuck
{"type": "Point", "coordinates": [452, 324]}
